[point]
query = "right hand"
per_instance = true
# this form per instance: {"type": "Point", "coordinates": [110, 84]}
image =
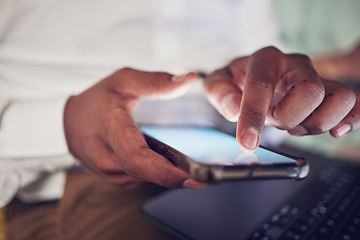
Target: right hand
{"type": "Point", "coordinates": [284, 91]}
{"type": "Point", "coordinates": [102, 134]}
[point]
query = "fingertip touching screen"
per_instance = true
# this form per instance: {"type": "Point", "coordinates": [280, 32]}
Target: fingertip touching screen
{"type": "Point", "coordinates": [210, 146]}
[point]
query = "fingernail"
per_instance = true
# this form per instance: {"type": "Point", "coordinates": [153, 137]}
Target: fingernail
{"type": "Point", "coordinates": [342, 130]}
{"type": "Point", "coordinates": [298, 131]}
{"type": "Point", "coordinates": [250, 138]}
{"type": "Point", "coordinates": [230, 104]}
{"type": "Point", "coordinates": [191, 183]}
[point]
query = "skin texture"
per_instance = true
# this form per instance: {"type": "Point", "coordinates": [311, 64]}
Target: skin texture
{"type": "Point", "coordinates": [268, 87]}
{"type": "Point", "coordinates": [102, 134]}
{"type": "Point", "coordinates": [281, 90]}
{"type": "Point", "coordinates": [343, 67]}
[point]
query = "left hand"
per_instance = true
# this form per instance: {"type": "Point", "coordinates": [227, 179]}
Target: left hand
{"type": "Point", "coordinates": [282, 90]}
{"type": "Point", "coordinates": [102, 134]}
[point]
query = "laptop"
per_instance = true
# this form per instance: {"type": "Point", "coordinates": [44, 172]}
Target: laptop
{"type": "Point", "coordinates": [325, 205]}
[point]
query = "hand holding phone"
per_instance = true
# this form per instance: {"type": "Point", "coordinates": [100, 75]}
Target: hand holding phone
{"type": "Point", "coordinates": [209, 155]}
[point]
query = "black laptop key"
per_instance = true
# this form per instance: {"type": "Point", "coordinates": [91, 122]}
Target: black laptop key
{"type": "Point", "coordinates": [351, 228]}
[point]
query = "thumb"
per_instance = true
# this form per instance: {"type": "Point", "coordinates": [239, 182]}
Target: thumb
{"type": "Point", "coordinates": [157, 84]}
{"type": "Point", "coordinates": [166, 86]}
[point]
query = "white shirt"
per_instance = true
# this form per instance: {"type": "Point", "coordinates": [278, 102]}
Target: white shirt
{"type": "Point", "coordinates": [52, 49]}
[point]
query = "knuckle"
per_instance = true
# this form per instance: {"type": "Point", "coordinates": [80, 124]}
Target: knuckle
{"type": "Point", "coordinates": [305, 73]}
{"type": "Point", "coordinates": [237, 62]}
{"type": "Point", "coordinates": [125, 70]}
{"type": "Point", "coordinates": [317, 126]}
{"type": "Point", "coordinates": [269, 50]}
{"type": "Point", "coordinates": [236, 68]}
{"type": "Point", "coordinates": [119, 79]}
{"type": "Point", "coordinates": [348, 96]}
{"type": "Point", "coordinates": [268, 56]}
{"type": "Point", "coordinates": [300, 57]}
{"type": "Point", "coordinates": [313, 91]}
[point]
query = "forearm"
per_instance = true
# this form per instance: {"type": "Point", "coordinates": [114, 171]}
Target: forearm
{"type": "Point", "coordinates": [340, 67]}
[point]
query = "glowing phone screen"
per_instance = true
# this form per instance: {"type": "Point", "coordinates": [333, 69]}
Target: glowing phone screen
{"type": "Point", "coordinates": [210, 146]}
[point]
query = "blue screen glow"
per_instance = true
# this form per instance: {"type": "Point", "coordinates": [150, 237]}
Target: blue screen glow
{"type": "Point", "coordinates": [210, 146]}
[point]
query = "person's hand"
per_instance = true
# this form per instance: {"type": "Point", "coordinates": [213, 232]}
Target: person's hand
{"type": "Point", "coordinates": [351, 122]}
{"type": "Point", "coordinates": [281, 90]}
{"type": "Point", "coordinates": [102, 134]}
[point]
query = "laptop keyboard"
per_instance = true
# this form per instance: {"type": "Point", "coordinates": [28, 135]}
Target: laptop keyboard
{"type": "Point", "coordinates": [332, 211]}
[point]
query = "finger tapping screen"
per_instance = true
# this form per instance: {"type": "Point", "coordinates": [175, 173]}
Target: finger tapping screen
{"type": "Point", "coordinates": [210, 146]}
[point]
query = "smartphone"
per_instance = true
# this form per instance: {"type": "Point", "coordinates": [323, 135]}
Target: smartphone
{"type": "Point", "coordinates": [209, 155]}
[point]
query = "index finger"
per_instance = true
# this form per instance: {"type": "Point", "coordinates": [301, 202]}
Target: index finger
{"type": "Point", "coordinates": [263, 69]}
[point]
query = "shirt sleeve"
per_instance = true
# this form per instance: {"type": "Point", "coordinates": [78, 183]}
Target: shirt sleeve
{"type": "Point", "coordinates": [32, 147]}
{"type": "Point", "coordinates": [32, 128]}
